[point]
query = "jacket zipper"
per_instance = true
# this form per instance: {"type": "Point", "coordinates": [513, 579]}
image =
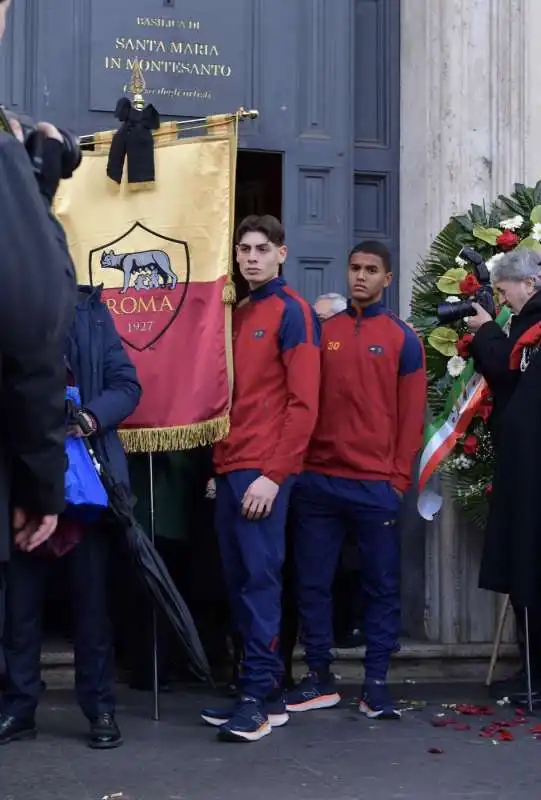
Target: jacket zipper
{"type": "Point", "coordinates": [358, 324]}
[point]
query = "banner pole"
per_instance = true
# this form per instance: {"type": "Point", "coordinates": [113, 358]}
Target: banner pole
{"type": "Point", "coordinates": [155, 676]}
{"type": "Point", "coordinates": [88, 140]}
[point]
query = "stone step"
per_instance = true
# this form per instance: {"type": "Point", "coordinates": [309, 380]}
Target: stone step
{"type": "Point", "coordinates": [417, 662]}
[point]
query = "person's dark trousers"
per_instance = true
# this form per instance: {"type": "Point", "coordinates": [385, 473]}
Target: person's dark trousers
{"type": "Point", "coordinates": [325, 509]}
{"type": "Point", "coordinates": [94, 660]}
{"type": "Point", "coordinates": [534, 627]}
{"type": "Point", "coordinates": [253, 554]}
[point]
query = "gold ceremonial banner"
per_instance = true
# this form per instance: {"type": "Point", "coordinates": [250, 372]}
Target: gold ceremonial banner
{"type": "Point", "coordinates": [161, 253]}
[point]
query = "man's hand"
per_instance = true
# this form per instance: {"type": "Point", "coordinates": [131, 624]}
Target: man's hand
{"type": "Point", "coordinates": [49, 131]}
{"type": "Point", "coordinates": [259, 497]}
{"type": "Point", "coordinates": [80, 431]}
{"type": "Point", "coordinates": [481, 318]}
{"type": "Point", "coordinates": [17, 129]}
{"type": "Point", "coordinates": [31, 530]}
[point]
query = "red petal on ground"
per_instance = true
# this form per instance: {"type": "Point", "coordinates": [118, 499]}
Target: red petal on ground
{"type": "Point", "coordinates": [474, 711]}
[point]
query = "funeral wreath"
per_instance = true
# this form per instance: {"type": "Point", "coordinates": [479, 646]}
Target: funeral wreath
{"type": "Point", "coordinates": [457, 439]}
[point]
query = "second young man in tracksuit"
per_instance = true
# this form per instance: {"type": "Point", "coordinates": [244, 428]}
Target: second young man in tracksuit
{"type": "Point", "coordinates": [358, 466]}
{"type": "Point", "coordinates": [274, 411]}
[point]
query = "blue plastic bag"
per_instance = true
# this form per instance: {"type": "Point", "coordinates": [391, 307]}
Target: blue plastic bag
{"type": "Point", "coordinates": [85, 496]}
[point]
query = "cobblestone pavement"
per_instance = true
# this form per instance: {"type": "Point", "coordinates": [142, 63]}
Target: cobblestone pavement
{"type": "Point", "coordinates": [319, 755]}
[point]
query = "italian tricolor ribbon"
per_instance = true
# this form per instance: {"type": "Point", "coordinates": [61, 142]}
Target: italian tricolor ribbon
{"type": "Point", "coordinates": [466, 396]}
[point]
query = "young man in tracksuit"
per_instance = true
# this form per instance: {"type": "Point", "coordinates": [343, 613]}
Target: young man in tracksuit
{"type": "Point", "coordinates": [276, 370]}
{"type": "Point", "coordinates": [358, 466]}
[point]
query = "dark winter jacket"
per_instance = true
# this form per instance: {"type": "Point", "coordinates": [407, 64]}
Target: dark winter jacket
{"type": "Point", "coordinates": [105, 376]}
{"type": "Point", "coordinates": [491, 350]}
{"type": "Point", "coordinates": [37, 295]}
{"type": "Point", "coordinates": [511, 562]}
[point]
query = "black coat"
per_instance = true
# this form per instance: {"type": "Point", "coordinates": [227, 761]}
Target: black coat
{"type": "Point", "coordinates": [511, 561]}
{"type": "Point", "coordinates": [37, 294]}
{"type": "Point", "coordinates": [105, 376]}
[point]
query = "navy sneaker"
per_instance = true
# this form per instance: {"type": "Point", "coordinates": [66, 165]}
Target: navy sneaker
{"type": "Point", "coordinates": [275, 707]}
{"type": "Point", "coordinates": [313, 692]}
{"type": "Point", "coordinates": [376, 702]}
{"type": "Point", "coordinates": [249, 722]}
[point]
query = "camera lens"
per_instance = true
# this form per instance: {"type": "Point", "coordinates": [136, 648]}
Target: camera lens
{"type": "Point", "coordinates": [71, 154]}
{"type": "Point", "coordinates": [453, 312]}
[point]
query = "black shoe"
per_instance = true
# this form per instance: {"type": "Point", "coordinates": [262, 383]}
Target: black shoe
{"type": "Point", "coordinates": [520, 698]}
{"type": "Point", "coordinates": [104, 733]}
{"type": "Point", "coordinates": [513, 686]}
{"type": "Point", "coordinates": [15, 730]}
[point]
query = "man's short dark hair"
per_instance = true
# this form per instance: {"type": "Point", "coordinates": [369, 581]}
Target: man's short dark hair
{"type": "Point", "coordinates": [373, 248]}
{"type": "Point", "coordinates": [268, 225]}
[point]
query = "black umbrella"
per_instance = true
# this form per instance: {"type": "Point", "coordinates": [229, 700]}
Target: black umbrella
{"type": "Point", "coordinates": [149, 564]}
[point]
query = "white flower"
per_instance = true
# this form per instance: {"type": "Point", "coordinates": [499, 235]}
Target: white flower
{"type": "Point", "coordinates": [453, 299]}
{"type": "Point", "coordinates": [455, 366]}
{"type": "Point", "coordinates": [536, 232]}
{"type": "Point", "coordinates": [513, 223]}
{"type": "Point", "coordinates": [460, 261]}
{"type": "Point", "coordinates": [462, 462]}
{"type": "Point", "coordinates": [494, 260]}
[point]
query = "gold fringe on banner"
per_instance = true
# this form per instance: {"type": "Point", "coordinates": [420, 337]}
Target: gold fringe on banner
{"type": "Point", "coordinates": [187, 437]}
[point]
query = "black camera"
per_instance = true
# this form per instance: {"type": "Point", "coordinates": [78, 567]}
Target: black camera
{"type": "Point", "coordinates": [34, 139]}
{"type": "Point", "coordinates": [453, 312]}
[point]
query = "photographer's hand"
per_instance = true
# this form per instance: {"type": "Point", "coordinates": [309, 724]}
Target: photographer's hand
{"type": "Point", "coordinates": [481, 318]}
{"type": "Point", "coordinates": [50, 131]}
{"type": "Point", "coordinates": [51, 170]}
{"type": "Point", "coordinates": [17, 129]}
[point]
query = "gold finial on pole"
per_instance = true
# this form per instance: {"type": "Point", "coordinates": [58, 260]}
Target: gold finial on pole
{"type": "Point", "coordinates": [137, 86]}
{"type": "Point", "coordinates": [244, 113]}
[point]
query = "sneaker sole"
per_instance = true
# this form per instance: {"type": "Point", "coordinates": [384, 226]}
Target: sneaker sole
{"type": "Point", "coordinates": [392, 714]}
{"type": "Point", "coordinates": [106, 745]}
{"type": "Point", "coordinates": [324, 701]}
{"type": "Point", "coordinates": [22, 736]}
{"type": "Point", "coordinates": [227, 735]}
{"type": "Point", "coordinates": [276, 720]}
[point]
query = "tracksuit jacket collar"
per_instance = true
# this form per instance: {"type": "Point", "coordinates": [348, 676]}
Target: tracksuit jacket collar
{"type": "Point", "coordinates": [267, 289]}
{"type": "Point", "coordinates": [370, 311]}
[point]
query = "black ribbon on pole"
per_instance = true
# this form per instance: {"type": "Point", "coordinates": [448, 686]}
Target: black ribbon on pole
{"type": "Point", "coordinates": [133, 142]}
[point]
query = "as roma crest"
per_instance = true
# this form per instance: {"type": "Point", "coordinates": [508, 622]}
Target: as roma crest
{"type": "Point", "coordinates": [145, 277]}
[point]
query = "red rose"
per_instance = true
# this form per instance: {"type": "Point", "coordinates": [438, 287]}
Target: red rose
{"type": "Point", "coordinates": [469, 445]}
{"type": "Point", "coordinates": [507, 240]}
{"type": "Point", "coordinates": [463, 345]}
{"type": "Point", "coordinates": [470, 285]}
{"type": "Point", "coordinates": [484, 411]}
{"type": "Point", "coordinates": [488, 489]}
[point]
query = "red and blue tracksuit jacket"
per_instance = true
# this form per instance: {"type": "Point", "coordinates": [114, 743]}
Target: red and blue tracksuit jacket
{"type": "Point", "coordinates": [276, 354]}
{"type": "Point", "coordinates": [372, 398]}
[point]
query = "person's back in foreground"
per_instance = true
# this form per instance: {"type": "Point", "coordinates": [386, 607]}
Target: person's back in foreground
{"type": "Point", "coordinates": [36, 304]}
